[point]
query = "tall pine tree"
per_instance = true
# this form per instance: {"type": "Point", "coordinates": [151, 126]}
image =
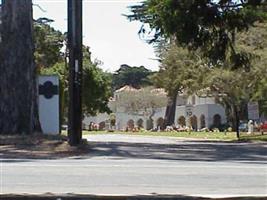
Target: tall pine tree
{"type": "Point", "coordinates": [18, 91]}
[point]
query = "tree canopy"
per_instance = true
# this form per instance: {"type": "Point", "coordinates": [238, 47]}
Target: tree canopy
{"type": "Point", "coordinates": [182, 70]}
{"type": "Point", "coordinates": [212, 30]}
{"type": "Point", "coordinates": [48, 43]}
{"type": "Point", "coordinates": [208, 25]}
{"type": "Point", "coordinates": [132, 76]}
{"type": "Point", "coordinates": [177, 74]}
{"type": "Point", "coordinates": [96, 85]}
{"type": "Point", "coordinates": [177, 68]}
{"type": "Point", "coordinates": [142, 101]}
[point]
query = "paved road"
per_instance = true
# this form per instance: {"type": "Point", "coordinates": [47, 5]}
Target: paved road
{"type": "Point", "coordinates": [145, 165]}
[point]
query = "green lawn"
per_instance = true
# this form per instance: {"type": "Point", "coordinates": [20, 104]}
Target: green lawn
{"type": "Point", "coordinates": [229, 136]}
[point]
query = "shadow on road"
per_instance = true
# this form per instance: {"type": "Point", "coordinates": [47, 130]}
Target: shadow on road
{"type": "Point", "coordinates": [187, 151]}
{"type": "Point", "coordinates": [137, 197]}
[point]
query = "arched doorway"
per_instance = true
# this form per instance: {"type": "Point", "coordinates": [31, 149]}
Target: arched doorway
{"type": "Point", "coordinates": [217, 120]}
{"type": "Point", "coordinates": [181, 121]}
{"type": "Point", "coordinates": [102, 126]}
{"type": "Point", "coordinates": [193, 122]}
{"type": "Point", "coordinates": [140, 123]}
{"type": "Point", "coordinates": [160, 123]}
{"type": "Point", "coordinates": [202, 121]}
{"type": "Point", "coordinates": [130, 124]}
{"type": "Point", "coordinates": [149, 124]}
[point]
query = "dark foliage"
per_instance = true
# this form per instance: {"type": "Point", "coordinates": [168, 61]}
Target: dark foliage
{"type": "Point", "coordinates": [207, 25]}
{"type": "Point", "coordinates": [132, 76]}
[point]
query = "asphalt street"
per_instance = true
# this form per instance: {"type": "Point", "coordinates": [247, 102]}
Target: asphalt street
{"type": "Point", "coordinates": [129, 165]}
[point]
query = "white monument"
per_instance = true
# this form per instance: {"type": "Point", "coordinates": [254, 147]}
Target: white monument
{"type": "Point", "coordinates": [49, 104]}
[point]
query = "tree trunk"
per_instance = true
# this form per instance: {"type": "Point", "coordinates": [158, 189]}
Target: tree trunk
{"type": "Point", "coordinates": [236, 119]}
{"type": "Point", "coordinates": [18, 89]}
{"type": "Point", "coordinates": [170, 111]}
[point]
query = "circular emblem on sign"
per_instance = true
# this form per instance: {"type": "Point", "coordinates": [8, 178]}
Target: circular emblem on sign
{"type": "Point", "coordinates": [48, 89]}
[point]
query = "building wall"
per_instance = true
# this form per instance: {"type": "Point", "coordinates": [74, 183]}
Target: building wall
{"type": "Point", "coordinates": [207, 110]}
{"type": "Point", "coordinates": [195, 100]}
{"type": "Point", "coordinates": [201, 107]}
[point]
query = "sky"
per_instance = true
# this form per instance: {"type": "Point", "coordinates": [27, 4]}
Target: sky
{"type": "Point", "coordinates": [111, 37]}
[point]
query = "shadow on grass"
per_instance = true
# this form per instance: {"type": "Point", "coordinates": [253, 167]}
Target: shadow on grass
{"type": "Point", "coordinates": [22, 147]}
{"type": "Point", "coordinates": [253, 137]}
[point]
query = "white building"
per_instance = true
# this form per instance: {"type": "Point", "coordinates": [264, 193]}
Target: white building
{"type": "Point", "coordinates": [146, 108]}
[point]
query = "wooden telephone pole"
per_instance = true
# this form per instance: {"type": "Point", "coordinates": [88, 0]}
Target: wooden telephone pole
{"type": "Point", "coordinates": [75, 71]}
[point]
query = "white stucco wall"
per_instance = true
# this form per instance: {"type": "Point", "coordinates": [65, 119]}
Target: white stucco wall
{"type": "Point", "coordinates": [214, 109]}
{"type": "Point", "coordinates": [200, 106]}
{"type": "Point", "coordinates": [96, 119]}
{"type": "Point", "coordinates": [195, 100]}
{"type": "Point", "coordinates": [208, 110]}
{"type": "Point", "coordinates": [206, 100]}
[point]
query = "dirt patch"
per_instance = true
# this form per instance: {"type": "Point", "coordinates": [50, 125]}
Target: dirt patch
{"type": "Point", "coordinates": [39, 146]}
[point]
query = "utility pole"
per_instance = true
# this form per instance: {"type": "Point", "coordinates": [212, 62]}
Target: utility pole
{"type": "Point", "coordinates": [75, 71]}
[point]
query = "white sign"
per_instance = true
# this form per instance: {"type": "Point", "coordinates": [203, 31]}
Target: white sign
{"type": "Point", "coordinates": [49, 104]}
{"type": "Point", "coordinates": [188, 110]}
{"type": "Point", "coordinates": [253, 110]}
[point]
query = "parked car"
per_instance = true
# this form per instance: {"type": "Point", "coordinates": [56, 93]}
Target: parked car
{"type": "Point", "coordinates": [263, 127]}
{"type": "Point", "coordinates": [243, 127]}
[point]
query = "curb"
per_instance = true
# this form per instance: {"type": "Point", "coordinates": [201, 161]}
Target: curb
{"type": "Point", "coordinates": [49, 196]}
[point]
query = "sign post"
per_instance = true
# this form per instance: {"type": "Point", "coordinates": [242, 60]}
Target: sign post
{"type": "Point", "coordinates": [75, 71]}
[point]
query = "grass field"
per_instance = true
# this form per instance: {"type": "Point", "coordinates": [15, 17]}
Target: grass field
{"type": "Point", "coordinates": [228, 136]}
